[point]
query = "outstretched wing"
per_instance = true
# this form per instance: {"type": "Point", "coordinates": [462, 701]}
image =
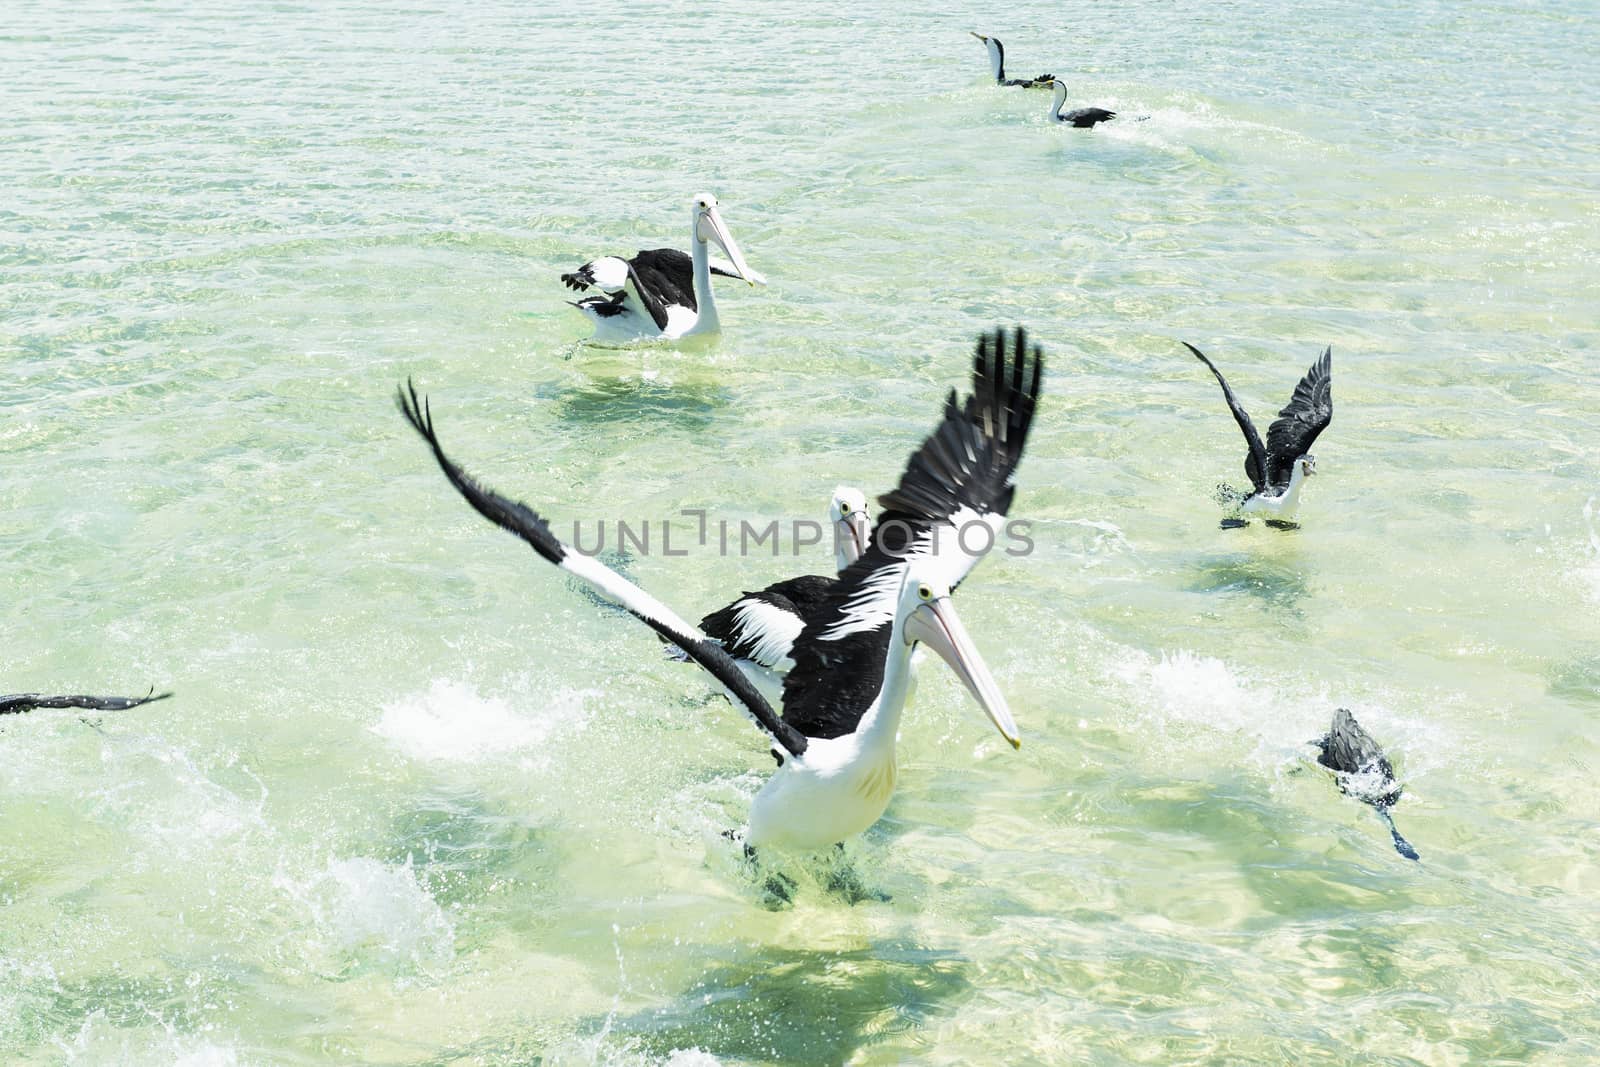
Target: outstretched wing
{"type": "Point", "coordinates": [1307, 414]}
{"type": "Point", "coordinates": [20, 702]}
{"type": "Point", "coordinates": [1255, 462]}
{"type": "Point", "coordinates": [949, 506]}
{"type": "Point", "coordinates": [521, 520]}
{"type": "Point", "coordinates": [762, 626]}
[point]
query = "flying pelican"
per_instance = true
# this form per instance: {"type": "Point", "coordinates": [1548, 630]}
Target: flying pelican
{"type": "Point", "coordinates": [1362, 771]}
{"type": "Point", "coordinates": [835, 741]}
{"type": "Point", "coordinates": [1279, 468]}
{"type": "Point", "coordinates": [661, 294]}
{"type": "Point", "coordinates": [759, 629]}
{"type": "Point", "coordinates": [19, 702]}
{"type": "Point", "coordinates": [1084, 117]}
{"type": "Point", "coordinates": [997, 64]}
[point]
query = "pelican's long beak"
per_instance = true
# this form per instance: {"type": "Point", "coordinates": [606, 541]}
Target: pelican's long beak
{"type": "Point", "coordinates": [936, 625]}
{"type": "Point", "coordinates": [979, 36]}
{"type": "Point", "coordinates": [712, 228]}
{"type": "Point", "coordinates": [850, 534]}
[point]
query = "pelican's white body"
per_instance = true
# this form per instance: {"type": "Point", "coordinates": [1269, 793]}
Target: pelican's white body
{"type": "Point", "coordinates": [839, 786]}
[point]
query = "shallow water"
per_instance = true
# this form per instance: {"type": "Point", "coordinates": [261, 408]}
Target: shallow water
{"type": "Point", "coordinates": [418, 802]}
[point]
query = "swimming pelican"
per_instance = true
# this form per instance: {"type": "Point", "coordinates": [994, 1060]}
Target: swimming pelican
{"type": "Point", "coordinates": [1084, 117]}
{"type": "Point", "coordinates": [997, 64]}
{"type": "Point", "coordinates": [20, 702]}
{"type": "Point", "coordinates": [661, 294]}
{"type": "Point", "coordinates": [1279, 468]}
{"type": "Point", "coordinates": [1362, 771]}
{"type": "Point", "coordinates": [835, 741]}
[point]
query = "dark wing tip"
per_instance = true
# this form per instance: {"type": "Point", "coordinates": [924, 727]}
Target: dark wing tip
{"type": "Point", "coordinates": [414, 407]}
{"type": "Point", "coordinates": [510, 515]}
{"type": "Point", "coordinates": [123, 703]}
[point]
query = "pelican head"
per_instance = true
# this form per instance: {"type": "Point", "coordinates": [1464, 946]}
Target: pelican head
{"type": "Point", "coordinates": [1308, 464]}
{"type": "Point", "coordinates": [708, 226]}
{"type": "Point", "coordinates": [925, 615]}
{"type": "Point", "coordinates": [852, 525]}
{"type": "Point", "coordinates": [997, 54]}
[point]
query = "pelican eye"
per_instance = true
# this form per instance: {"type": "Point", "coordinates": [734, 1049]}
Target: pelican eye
{"type": "Point", "coordinates": [924, 592]}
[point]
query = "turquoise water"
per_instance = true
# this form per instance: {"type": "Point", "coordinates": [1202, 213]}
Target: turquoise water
{"type": "Point", "coordinates": [418, 802]}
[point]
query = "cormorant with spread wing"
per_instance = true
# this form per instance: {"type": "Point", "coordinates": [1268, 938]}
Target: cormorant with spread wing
{"type": "Point", "coordinates": [1279, 468]}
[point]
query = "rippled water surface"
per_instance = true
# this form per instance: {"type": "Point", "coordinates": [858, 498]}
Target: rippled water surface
{"type": "Point", "coordinates": [419, 802]}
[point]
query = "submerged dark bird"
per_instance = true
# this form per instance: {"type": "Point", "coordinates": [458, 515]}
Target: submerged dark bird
{"type": "Point", "coordinates": [1278, 469]}
{"type": "Point", "coordinates": [997, 66]}
{"type": "Point", "coordinates": [1084, 117]}
{"type": "Point", "coordinates": [19, 702]}
{"type": "Point", "coordinates": [1362, 771]}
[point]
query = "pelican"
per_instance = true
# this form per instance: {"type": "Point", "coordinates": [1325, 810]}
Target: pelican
{"type": "Point", "coordinates": [997, 64]}
{"type": "Point", "coordinates": [842, 702]}
{"type": "Point", "coordinates": [759, 629]}
{"type": "Point", "coordinates": [1279, 468]}
{"type": "Point", "coordinates": [17, 703]}
{"type": "Point", "coordinates": [1362, 771]}
{"type": "Point", "coordinates": [1083, 118]}
{"type": "Point", "coordinates": [661, 294]}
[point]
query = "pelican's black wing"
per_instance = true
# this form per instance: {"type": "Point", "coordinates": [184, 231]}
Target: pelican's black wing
{"type": "Point", "coordinates": [20, 702]}
{"type": "Point", "coordinates": [762, 626]}
{"type": "Point", "coordinates": [518, 518]}
{"type": "Point", "coordinates": [959, 480]}
{"type": "Point", "coordinates": [1255, 462]}
{"type": "Point", "coordinates": [668, 273]}
{"type": "Point", "coordinates": [1307, 414]}
{"type": "Point", "coordinates": [665, 277]}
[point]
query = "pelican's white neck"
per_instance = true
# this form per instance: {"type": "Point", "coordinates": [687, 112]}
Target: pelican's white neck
{"type": "Point", "coordinates": [997, 62]}
{"type": "Point", "coordinates": [1059, 98]}
{"type": "Point", "coordinates": [880, 725]}
{"type": "Point", "coordinates": [706, 318]}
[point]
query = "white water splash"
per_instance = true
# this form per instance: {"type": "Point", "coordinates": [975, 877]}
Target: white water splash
{"type": "Point", "coordinates": [101, 1041]}
{"type": "Point", "coordinates": [362, 911]}
{"type": "Point", "coordinates": [451, 722]}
